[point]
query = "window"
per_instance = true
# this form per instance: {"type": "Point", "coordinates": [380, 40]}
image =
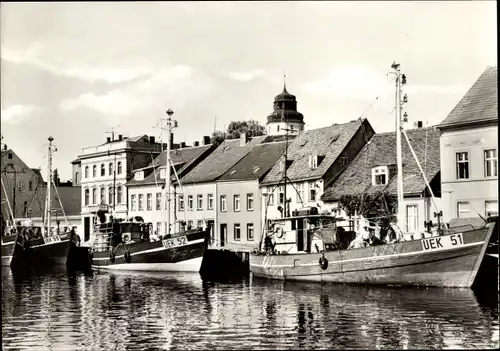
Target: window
{"type": "Point", "coordinates": [236, 203]}
{"type": "Point", "coordinates": [76, 177]}
{"type": "Point", "coordinates": [20, 185]}
{"type": "Point", "coordinates": [158, 228]}
{"type": "Point", "coordinates": [10, 156]}
{"type": "Point", "coordinates": [110, 194]}
{"type": "Point", "coordinates": [119, 194]}
{"type": "Point", "coordinates": [87, 197]}
{"type": "Point", "coordinates": [163, 173]}
{"type": "Point", "coordinates": [94, 196]}
{"type": "Point", "coordinates": [462, 165]}
{"type": "Point", "coordinates": [379, 175]}
{"type": "Point", "coordinates": [300, 192]}
{"type": "Point", "coordinates": [249, 202]}
{"type": "Point", "coordinates": [199, 224]}
{"type": "Point", "coordinates": [250, 233]}
{"type": "Point", "coordinates": [86, 171]}
{"type": "Point", "coordinates": [103, 170]}
{"type": "Point", "coordinates": [223, 203]}
{"type": "Point", "coordinates": [491, 208]}
{"type": "Point", "coordinates": [141, 202]}
{"type": "Point", "coordinates": [237, 231]}
{"type": "Point", "coordinates": [94, 171]}
{"type": "Point", "coordinates": [181, 202]}
{"type": "Point", "coordinates": [149, 202]}
{"type": "Point", "coordinates": [158, 201]}
{"type": "Point", "coordinates": [312, 191]}
{"type": "Point", "coordinates": [199, 202]}
{"type": "Point", "coordinates": [110, 169]}
{"type": "Point", "coordinates": [210, 201]}
{"type": "Point", "coordinates": [490, 163]}
{"type": "Point", "coordinates": [463, 208]}
{"type": "Point", "coordinates": [411, 218]}
{"type": "Point", "coordinates": [281, 195]}
{"type": "Point", "coordinates": [271, 199]}
{"type": "Point", "coordinates": [119, 168]}
{"type": "Point", "coordinates": [278, 128]}
{"type": "Point", "coordinates": [313, 161]}
{"type": "Point", "coordinates": [103, 195]}
{"type": "Point", "coordinates": [190, 202]}
{"type": "Point", "coordinates": [139, 175]}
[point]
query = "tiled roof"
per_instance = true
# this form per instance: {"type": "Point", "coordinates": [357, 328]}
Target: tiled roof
{"type": "Point", "coordinates": [181, 159]}
{"type": "Point", "coordinates": [381, 150]}
{"type": "Point", "coordinates": [479, 104]}
{"type": "Point", "coordinates": [256, 163]}
{"type": "Point", "coordinates": [328, 142]}
{"type": "Point", "coordinates": [220, 160]}
{"type": "Point", "coordinates": [38, 173]}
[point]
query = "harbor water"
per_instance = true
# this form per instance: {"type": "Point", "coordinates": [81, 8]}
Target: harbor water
{"type": "Point", "coordinates": [138, 311]}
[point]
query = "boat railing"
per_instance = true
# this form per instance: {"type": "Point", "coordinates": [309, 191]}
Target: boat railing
{"type": "Point", "coordinates": [103, 233]}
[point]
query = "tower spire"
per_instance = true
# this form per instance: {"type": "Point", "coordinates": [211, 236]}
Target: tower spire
{"type": "Point", "coordinates": [284, 81]}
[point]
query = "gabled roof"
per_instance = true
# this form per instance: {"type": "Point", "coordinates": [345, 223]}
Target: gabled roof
{"type": "Point", "coordinates": [38, 173]}
{"type": "Point", "coordinates": [328, 142]}
{"type": "Point", "coordinates": [220, 160]}
{"type": "Point", "coordinates": [136, 138]}
{"type": "Point", "coordinates": [356, 179]}
{"type": "Point", "coordinates": [256, 163]}
{"type": "Point", "coordinates": [480, 103]}
{"type": "Point", "coordinates": [182, 159]}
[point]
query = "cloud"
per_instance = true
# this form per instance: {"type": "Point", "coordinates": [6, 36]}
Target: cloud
{"type": "Point", "coordinates": [11, 113]}
{"type": "Point", "coordinates": [178, 84]}
{"type": "Point", "coordinates": [90, 73]}
{"type": "Point", "coordinates": [247, 76]}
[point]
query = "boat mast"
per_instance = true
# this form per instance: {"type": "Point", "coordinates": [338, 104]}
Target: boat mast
{"type": "Point", "coordinates": [49, 186]}
{"type": "Point", "coordinates": [167, 181]}
{"type": "Point", "coordinates": [399, 157]}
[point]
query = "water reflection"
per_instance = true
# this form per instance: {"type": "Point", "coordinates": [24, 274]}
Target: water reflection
{"type": "Point", "coordinates": [179, 311]}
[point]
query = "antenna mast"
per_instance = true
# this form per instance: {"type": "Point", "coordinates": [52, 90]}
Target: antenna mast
{"type": "Point", "coordinates": [49, 186]}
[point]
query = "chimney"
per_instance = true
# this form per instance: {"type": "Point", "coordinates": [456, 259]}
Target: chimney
{"type": "Point", "coordinates": [56, 177]}
{"type": "Point", "coordinates": [243, 139]}
{"type": "Point", "coordinates": [419, 124]}
{"type": "Point", "coordinates": [171, 141]}
{"type": "Point", "coordinates": [183, 144]}
{"type": "Point", "coordinates": [196, 143]}
{"type": "Point", "coordinates": [151, 139]}
{"type": "Point", "coordinates": [206, 140]}
{"type": "Point", "coordinates": [120, 137]}
{"type": "Point", "coordinates": [108, 140]}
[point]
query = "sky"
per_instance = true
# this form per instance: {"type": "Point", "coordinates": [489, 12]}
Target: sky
{"type": "Point", "coordinates": [75, 71]}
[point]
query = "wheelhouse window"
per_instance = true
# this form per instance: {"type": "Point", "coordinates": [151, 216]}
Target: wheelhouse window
{"type": "Point", "coordinates": [223, 203]}
{"type": "Point", "coordinates": [199, 202]}
{"type": "Point", "coordinates": [210, 201]}
{"type": "Point", "coordinates": [491, 208]}
{"type": "Point", "coordinates": [190, 202]}
{"type": "Point", "coordinates": [236, 203]}
{"type": "Point", "coordinates": [149, 202]}
{"type": "Point", "coordinates": [249, 202]}
{"type": "Point", "coordinates": [463, 209]}
{"type": "Point", "coordinates": [237, 231]}
{"type": "Point", "coordinates": [250, 232]}
{"type": "Point", "coordinates": [490, 163]}
{"type": "Point", "coordinates": [380, 175]}
{"type": "Point", "coordinates": [411, 218]}
{"type": "Point", "coordinates": [462, 165]}
{"type": "Point", "coordinates": [158, 201]}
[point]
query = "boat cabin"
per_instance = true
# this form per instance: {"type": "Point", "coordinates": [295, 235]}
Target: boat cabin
{"type": "Point", "coordinates": [306, 233]}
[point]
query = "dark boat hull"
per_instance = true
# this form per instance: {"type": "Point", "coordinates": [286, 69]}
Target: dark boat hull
{"type": "Point", "coordinates": [407, 263]}
{"type": "Point", "coordinates": [156, 256]}
{"type": "Point", "coordinates": [10, 250]}
{"type": "Point", "coordinates": [49, 254]}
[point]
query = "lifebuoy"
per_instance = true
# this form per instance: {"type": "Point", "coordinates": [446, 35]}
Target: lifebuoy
{"type": "Point", "coordinates": [127, 257]}
{"type": "Point", "coordinates": [112, 257]}
{"type": "Point", "coordinates": [280, 233]}
{"type": "Point", "coordinates": [323, 263]}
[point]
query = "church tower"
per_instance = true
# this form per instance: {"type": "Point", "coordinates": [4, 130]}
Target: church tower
{"type": "Point", "coordinates": [284, 115]}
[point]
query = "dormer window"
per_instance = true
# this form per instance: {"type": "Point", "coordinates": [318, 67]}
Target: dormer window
{"type": "Point", "coordinates": [163, 173]}
{"type": "Point", "coordinates": [139, 175]}
{"type": "Point", "coordinates": [380, 175]}
{"type": "Point", "coordinates": [315, 160]}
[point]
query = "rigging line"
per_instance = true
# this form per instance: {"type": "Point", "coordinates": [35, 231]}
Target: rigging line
{"type": "Point", "coordinates": [60, 203]}
{"type": "Point", "coordinates": [156, 182]}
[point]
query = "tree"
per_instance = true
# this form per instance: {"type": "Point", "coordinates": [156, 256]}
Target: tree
{"type": "Point", "coordinates": [379, 207]}
{"type": "Point", "coordinates": [236, 128]}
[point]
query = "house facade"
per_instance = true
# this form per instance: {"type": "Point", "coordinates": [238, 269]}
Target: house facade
{"type": "Point", "coordinates": [105, 170]}
{"type": "Point", "coordinates": [239, 214]}
{"type": "Point", "coordinates": [314, 159]}
{"type": "Point", "coordinates": [147, 195]}
{"type": "Point", "coordinates": [373, 172]}
{"type": "Point", "coordinates": [469, 152]}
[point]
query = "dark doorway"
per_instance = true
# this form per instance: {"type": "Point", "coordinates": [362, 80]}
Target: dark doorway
{"type": "Point", "coordinates": [210, 227]}
{"type": "Point", "coordinates": [86, 228]}
{"type": "Point", "coordinates": [223, 234]}
{"type": "Point", "coordinates": [300, 235]}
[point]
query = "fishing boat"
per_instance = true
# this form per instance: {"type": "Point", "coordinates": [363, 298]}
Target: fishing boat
{"type": "Point", "coordinates": [311, 247]}
{"type": "Point", "coordinates": [132, 246]}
